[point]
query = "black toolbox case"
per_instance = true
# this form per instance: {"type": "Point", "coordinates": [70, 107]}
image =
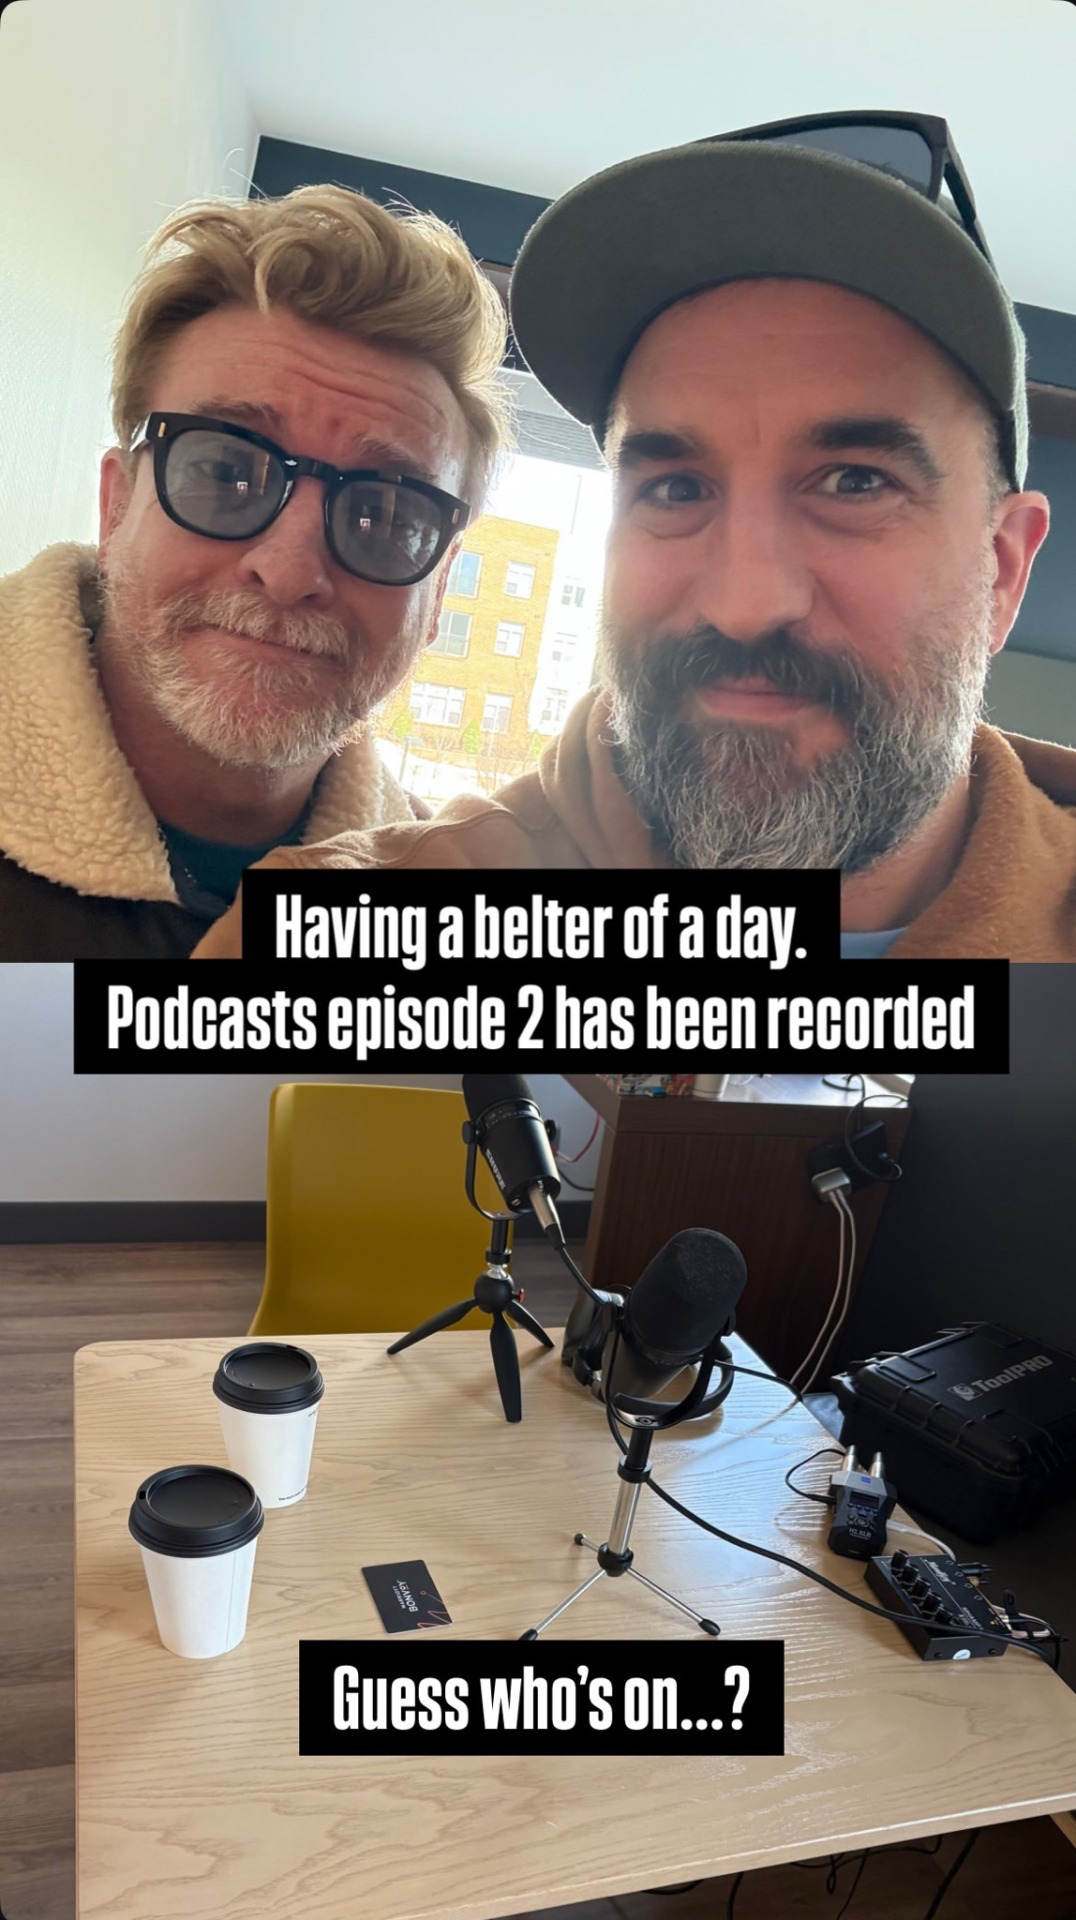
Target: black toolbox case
{"type": "Point", "coordinates": [977, 1428]}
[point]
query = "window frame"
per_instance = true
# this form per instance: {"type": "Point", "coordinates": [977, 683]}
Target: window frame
{"type": "Point", "coordinates": [465, 593]}
{"type": "Point", "coordinates": [517, 567]}
{"type": "Point", "coordinates": [503, 706]}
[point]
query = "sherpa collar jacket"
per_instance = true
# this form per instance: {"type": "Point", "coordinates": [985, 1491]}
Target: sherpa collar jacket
{"type": "Point", "coordinates": [1013, 894]}
{"type": "Point", "coordinates": [83, 869]}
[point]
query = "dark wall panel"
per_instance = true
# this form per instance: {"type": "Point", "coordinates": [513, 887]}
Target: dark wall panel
{"type": "Point", "coordinates": [983, 1224]}
{"type": "Point", "coordinates": [492, 220]}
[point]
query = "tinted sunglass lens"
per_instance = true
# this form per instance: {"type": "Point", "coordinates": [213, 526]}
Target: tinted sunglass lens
{"type": "Point", "coordinates": [221, 485]}
{"type": "Point", "coordinates": [384, 531]}
{"type": "Point", "coordinates": [899, 151]}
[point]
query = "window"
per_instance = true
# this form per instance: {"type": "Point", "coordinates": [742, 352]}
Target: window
{"type": "Point", "coordinates": [553, 709]}
{"type": "Point", "coordinates": [464, 573]}
{"type": "Point", "coordinates": [573, 593]}
{"type": "Point", "coordinates": [453, 635]}
{"type": "Point", "coordinates": [509, 637]}
{"type": "Point", "coordinates": [562, 649]}
{"type": "Point", "coordinates": [437, 706]}
{"type": "Point", "coordinates": [519, 580]}
{"type": "Point", "coordinates": [495, 713]}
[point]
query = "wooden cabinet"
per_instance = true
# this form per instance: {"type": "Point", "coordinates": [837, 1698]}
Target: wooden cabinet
{"type": "Point", "coordinates": [738, 1164]}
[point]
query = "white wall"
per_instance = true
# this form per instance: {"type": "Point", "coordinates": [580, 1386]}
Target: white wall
{"type": "Point", "coordinates": [156, 1136]}
{"type": "Point", "coordinates": [112, 112]}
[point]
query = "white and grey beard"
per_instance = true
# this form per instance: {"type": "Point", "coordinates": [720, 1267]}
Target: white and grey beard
{"type": "Point", "coordinates": [723, 794]}
{"type": "Point", "coordinates": [275, 713]}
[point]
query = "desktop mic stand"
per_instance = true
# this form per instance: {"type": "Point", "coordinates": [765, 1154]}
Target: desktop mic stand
{"type": "Point", "coordinates": [495, 1294]}
{"type": "Point", "coordinates": [615, 1556]}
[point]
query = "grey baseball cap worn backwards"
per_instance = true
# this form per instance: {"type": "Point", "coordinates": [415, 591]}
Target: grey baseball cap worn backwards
{"type": "Point", "coordinates": [609, 256]}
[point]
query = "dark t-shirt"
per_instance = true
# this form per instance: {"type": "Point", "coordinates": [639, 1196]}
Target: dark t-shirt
{"type": "Point", "coordinates": [207, 873]}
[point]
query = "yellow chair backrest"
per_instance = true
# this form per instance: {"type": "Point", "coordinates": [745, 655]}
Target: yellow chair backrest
{"type": "Point", "coordinates": [369, 1229]}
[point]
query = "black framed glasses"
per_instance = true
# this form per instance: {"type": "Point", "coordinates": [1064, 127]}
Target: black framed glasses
{"type": "Point", "coordinates": [913, 147]}
{"type": "Point", "coordinates": [230, 483]}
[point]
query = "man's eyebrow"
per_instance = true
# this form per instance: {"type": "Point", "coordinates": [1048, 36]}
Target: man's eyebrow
{"type": "Point", "coordinates": [245, 413]}
{"type": "Point", "coordinates": [265, 419]}
{"type": "Point", "coordinates": [653, 444]}
{"type": "Point", "coordinates": [882, 433]}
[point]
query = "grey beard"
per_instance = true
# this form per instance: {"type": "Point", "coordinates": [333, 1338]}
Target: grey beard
{"type": "Point", "coordinates": [266, 715]}
{"type": "Point", "coordinates": [727, 795]}
{"type": "Point", "coordinates": [236, 734]}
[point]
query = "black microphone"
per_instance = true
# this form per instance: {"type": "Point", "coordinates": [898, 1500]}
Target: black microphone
{"type": "Point", "coordinates": [680, 1305]}
{"type": "Point", "coordinates": [510, 1134]}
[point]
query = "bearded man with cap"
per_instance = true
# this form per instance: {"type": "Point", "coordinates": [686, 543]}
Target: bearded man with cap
{"type": "Point", "coordinates": [809, 385]}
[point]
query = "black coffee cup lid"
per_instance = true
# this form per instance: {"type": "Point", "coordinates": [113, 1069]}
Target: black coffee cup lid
{"type": "Point", "coordinates": [195, 1511]}
{"type": "Point", "coordinates": [267, 1376]}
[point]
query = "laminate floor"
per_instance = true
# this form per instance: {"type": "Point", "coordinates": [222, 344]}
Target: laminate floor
{"type": "Point", "coordinates": [54, 1299]}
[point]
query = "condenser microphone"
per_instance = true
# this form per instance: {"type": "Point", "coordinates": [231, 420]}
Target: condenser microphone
{"type": "Point", "coordinates": [676, 1312]}
{"type": "Point", "coordinates": [511, 1136]}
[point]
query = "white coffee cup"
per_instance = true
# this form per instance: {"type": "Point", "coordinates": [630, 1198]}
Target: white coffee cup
{"type": "Point", "coordinates": [197, 1529]}
{"type": "Point", "coordinates": [268, 1394]}
{"type": "Point", "coordinates": [710, 1086]}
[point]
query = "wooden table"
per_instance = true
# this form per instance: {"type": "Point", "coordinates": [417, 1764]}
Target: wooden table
{"type": "Point", "coordinates": [738, 1164]}
{"type": "Point", "coordinates": [192, 1799]}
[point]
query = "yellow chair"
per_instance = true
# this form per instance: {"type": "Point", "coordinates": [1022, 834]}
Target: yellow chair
{"type": "Point", "coordinates": [369, 1228]}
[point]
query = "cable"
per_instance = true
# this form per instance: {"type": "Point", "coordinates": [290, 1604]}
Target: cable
{"type": "Point", "coordinates": [572, 1268]}
{"type": "Point", "coordinates": [797, 1566]}
{"type": "Point", "coordinates": [951, 1875]}
{"type": "Point", "coordinates": [840, 1201]}
{"type": "Point", "coordinates": [841, 1302]}
{"type": "Point", "coordinates": [894, 1526]}
{"type": "Point", "coordinates": [833, 1305]}
{"type": "Point", "coordinates": [859, 1875]}
{"type": "Point", "coordinates": [822, 1498]}
{"type": "Point", "coordinates": [569, 1160]}
{"type": "Point", "coordinates": [574, 1184]}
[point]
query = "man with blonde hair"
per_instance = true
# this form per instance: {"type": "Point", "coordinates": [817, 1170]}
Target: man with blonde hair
{"type": "Point", "coordinates": [307, 412]}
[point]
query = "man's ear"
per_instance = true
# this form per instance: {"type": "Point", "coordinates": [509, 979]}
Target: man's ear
{"type": "Point", "coordinates": [1023, 523]}
{"type": "Point", "coordinates": [113, 494]}
{"type": "Point", "coordinates": [439, 591]}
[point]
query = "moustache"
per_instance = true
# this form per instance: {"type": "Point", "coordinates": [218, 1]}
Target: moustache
{"type": "Point", "coordinates": [301, 633]}
{"type": "Point", "coordinates": [672, 665]}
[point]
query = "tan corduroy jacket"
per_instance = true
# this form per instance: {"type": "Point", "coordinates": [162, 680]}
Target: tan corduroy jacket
{"type": "Point", "coordinates": [1013, 894]}
{"type": "Point", "coordinates": [83, 869]}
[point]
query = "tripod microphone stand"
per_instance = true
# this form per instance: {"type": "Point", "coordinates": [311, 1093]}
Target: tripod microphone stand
{"type": "Point", "coordinates": [614, 1556]}
{"type": "Point", "coordinates": [494, 1293]}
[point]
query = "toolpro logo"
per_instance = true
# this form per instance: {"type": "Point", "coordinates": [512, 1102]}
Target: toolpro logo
{"type": "Point", "coordinates": [974, 1389]}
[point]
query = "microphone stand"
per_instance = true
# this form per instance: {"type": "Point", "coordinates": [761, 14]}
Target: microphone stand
{"type": "Point", "coordinates": [614, 1556]}
{"type": "Point", "coordinates": [493, 1293]}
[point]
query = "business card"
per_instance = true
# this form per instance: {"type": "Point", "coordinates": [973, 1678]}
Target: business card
{"type": "Point", "coordinates": [405, 1596]}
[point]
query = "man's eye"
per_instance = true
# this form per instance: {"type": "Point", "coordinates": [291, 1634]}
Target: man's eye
{"type": "Point", "coordinates": [221, 473]}
{"type": "Point", "coordinates": [673, 490]}
{"type": "Point", "coordinates": [854, 481]}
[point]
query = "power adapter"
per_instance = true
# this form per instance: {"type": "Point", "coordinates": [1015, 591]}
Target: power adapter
{"type": "Point", "coordinates": [865, 1158]}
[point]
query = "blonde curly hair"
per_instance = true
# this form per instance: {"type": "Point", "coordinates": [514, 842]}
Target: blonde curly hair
{"type": "Point", "coordinates": [332, 257]}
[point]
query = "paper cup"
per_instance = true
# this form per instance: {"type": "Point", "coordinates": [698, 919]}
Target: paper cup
{"type": "Point", "coordinates": [268, 1396]}
{"type": "Point", "coordinates": [197, 1528]}
{"type": "Point", "coordinates": [710, 1086]}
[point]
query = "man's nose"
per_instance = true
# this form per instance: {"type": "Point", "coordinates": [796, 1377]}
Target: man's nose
{"type": "Point", "coordinates": [290, 562]}
{"type": "Point", "coordinates": [752, 576]}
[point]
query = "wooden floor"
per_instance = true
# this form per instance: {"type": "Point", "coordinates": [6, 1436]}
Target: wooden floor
{"type": "Point", "coordinates": [55, 1299]}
